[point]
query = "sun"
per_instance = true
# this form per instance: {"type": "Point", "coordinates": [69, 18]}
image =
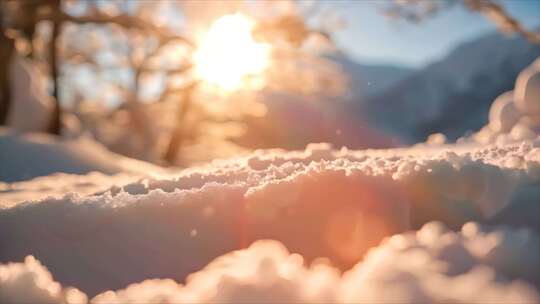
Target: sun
{"type": "Point", "coordinates": [227, 55]}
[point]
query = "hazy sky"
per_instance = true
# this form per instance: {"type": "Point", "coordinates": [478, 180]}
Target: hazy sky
{"type": "Point", "coordinates": [371, 38]}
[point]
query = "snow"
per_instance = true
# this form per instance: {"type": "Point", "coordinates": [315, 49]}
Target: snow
{"type": "Point", "coordinates": [451, 95]}
{"type": "Point", "coordinates": [503, 114]}
{"type": "Point", "coordinates": [436, 265]}
{"type": "Point", "coordinates": [58, 184]}
{"type": "Point", "coordinates": [527, 94]}
{"type": "Point", "coordinates": [514, 116]}
{"type": "Point", "coordinates": [319, 202]}
{"type": "Point", "coordinates": [25, 156]}
{"type": "Point", "coordinates": [31, 282]}
{"type": "Point", "coordinates": [435, 222]}
{"type": "Point", "coordinates": [431, 265]}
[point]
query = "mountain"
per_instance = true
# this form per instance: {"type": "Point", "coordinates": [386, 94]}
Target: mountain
{"type": "Point", "coordinates": [369, 80]}
{"type": "Point", "coordinates": [453, 95]}
{"type": "Point", "coordinates": [294, 120]}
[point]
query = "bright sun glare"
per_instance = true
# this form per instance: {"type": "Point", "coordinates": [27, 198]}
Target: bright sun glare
{"type": "Point", "coordinates": [228, 55]}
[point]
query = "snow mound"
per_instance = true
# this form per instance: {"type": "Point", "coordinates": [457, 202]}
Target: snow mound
{"type": "Point", "coordinates": [318, 203]}
{"type": "Point", "coordinates": [32, 155]}
{"type": "Point", "coordinates": [515, 115]}
{"type": "Point", "coordinates": [432, 265]}
{"type": "Point", "coordinates": [528, 89]}
{"type": "Point", "coordinates": [31, 282]}
{"type": "Point", "coordinates": [503, 114]}
{"type": "Point", "coordinates": [436, 265]}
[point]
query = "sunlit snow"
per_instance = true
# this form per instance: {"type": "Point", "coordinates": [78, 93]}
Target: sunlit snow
{"type": "Point", "coordinates": [436, 222]}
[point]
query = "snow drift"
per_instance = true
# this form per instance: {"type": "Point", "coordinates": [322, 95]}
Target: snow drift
{"type": "Point", "coordinates": [431, 265]}
{"type": "Point", "coordinates": [25, 156]}
{"type": "Point", "coordinates": [336, 204]}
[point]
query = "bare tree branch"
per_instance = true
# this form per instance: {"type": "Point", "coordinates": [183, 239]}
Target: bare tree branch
{"type": "Point", "coordinates": [498, 15]}
{"type": "Point", "coordinates": [123, 20]}
{"type": "Point", "coordinates": [417, 10]}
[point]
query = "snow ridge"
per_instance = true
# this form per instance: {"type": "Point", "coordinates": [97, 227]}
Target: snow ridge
{"type": "Point", "coordinates": [320, 202]}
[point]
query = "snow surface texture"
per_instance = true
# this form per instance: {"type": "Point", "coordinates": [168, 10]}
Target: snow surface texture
{"type": "Point", "coordinates": [58, 184]}
{"type": "Point", "coordinates": [433, 265]}
{"type": "Point", "coordinates": [318, 203]}
{"type": "Point", "coordinates": [30, 155]}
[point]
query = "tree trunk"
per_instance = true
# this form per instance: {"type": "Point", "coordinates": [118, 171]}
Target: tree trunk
{"type": "Point", "coordinates": [6, 55]}
{"type": "Point", "coordinates": [55, 124]}
{"type": "Point", "coordinates": [178, 134]}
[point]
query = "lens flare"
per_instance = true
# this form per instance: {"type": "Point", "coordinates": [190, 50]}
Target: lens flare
{"type": "Point", "coordinates": [228, 56]}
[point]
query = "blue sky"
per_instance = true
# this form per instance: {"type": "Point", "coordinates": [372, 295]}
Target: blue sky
{"type": "Point", "coordinates": [371, 38]}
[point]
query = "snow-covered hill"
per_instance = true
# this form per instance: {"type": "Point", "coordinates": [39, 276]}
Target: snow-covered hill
{"type": "Point", "coordinates": [453, 95]}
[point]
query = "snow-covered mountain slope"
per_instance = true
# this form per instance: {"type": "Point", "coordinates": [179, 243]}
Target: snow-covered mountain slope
{"type": "Point", "coordinates": [318, 203]}
{"type": "Point", "coordinates": [294, 120]}
{"type": "Point", "coordinates": [368, 80]}
{"type": "Point", "coordinates": [453, 95]}
{"type": "Point", "coordinates": [25, 156]}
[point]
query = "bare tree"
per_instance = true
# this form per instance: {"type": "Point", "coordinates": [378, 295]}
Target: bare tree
{"type": "Point", "coordinates": [24, 16]}
{"type": "Point", "coordinates": [19, 22]}
{"type": "Point", "coordinates": [135, 44]}
{"type": "Point", "coordinates": [419, 10]}
{"type": "Point", "coordinates": [178, 134]}
{"type": "Point", "coordinates": [506, 23]}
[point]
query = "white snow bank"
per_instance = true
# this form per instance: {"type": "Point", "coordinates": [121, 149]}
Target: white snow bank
{"type": "Point", "coordinates": [435, 265]}
{"type": "Point", "coordinates": [58, 184]}
{"type": "Point", "coordinates": [318, 202]}
{"type": "Point", "coordinates": [515, 115]}
{"type": "Point", "coordinates": [527, 93]}
{"type": "Point", "coordinates": [31, 282]}
{"type": "Point", "coordinates": [432, 265]}
{"type": "Point", "coordinates": [30, 155]}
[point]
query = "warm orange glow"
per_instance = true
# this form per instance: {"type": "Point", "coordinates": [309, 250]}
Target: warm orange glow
{"type": "Point", "coordinates": [228, 55]}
